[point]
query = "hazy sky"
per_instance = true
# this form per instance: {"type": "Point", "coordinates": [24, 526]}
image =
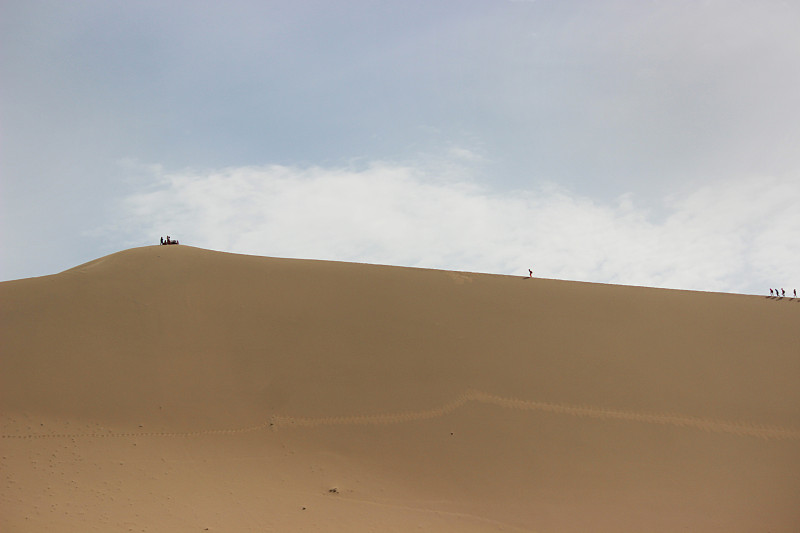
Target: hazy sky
{"type": "Point", "coordinates": [633, 142]}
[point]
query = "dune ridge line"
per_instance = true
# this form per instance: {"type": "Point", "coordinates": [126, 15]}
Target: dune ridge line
{"type": "Point", "coordinates": [719, 426]}
{"type": "Point", "coordinates": [282, 421]}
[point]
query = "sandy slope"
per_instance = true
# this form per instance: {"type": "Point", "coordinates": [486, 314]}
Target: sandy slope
{"type": "Point", "coordinates": [178, 389]}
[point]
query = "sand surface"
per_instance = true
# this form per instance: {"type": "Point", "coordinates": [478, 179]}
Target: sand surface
{"type": "Point", "coordinates": [170, 388]}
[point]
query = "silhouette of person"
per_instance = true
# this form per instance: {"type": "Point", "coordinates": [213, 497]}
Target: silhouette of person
{"type": "Point", "coordinates": [162, 242]}
{"type": "Point", "coordinates": [530, 273]}
{"type": "Point", "coordinates": [783, 292]}
{"type": "Point", "coordinates": [770, 291]}
{"type": "Point", "coordinates": [795, 293]}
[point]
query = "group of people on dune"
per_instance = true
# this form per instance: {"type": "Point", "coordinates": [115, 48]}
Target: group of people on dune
{"type": "Point", "coordinates": [781, 293]}
{"type": "Point", "coordinates": [170, 241]}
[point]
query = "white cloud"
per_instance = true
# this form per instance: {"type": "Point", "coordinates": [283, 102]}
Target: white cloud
{"type": "Point", "coordinates": [734, 237]}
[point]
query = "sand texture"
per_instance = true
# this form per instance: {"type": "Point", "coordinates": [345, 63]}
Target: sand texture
{"type": "Point", "coordinates": [170, 388]}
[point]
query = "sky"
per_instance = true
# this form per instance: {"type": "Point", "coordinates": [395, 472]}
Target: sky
{"type": "Point", "coordinates": [631, 142]}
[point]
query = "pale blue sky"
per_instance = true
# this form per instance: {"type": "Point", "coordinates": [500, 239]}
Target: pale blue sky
{"type": "Point", "coordinates": [650, 143]}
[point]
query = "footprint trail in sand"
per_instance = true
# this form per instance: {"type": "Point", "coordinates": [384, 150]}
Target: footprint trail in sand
{"type": "Point", "coordinates": [281, 421]}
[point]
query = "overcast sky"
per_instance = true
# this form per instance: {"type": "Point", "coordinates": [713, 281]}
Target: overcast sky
{"type": "Point", "coordinates": [633, 142]}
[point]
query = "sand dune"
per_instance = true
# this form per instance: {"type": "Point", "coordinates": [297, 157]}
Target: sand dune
{"type": "Point", "coordinates": [170, 388]}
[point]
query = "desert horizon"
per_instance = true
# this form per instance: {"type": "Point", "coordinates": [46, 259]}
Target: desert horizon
{"type": "Point", "coordinates": [171, 388]}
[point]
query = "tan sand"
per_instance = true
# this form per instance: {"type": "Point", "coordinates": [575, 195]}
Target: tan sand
{"type": "Point", "coordinates": [170, 388]}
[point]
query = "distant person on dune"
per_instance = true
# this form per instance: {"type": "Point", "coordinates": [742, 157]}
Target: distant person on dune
{"type": "Point", "coordinates": [530, 273]}
{"type": "Point", "coordinates": [770, 291]}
